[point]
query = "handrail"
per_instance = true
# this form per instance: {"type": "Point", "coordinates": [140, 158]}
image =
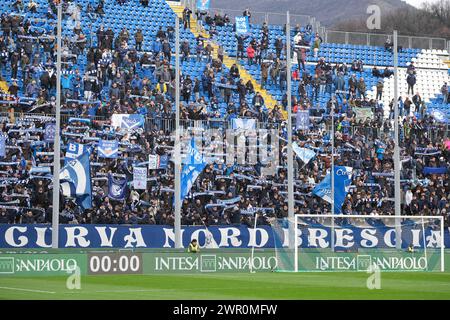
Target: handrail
{"type": "Point", "coordinates": [432, 42]}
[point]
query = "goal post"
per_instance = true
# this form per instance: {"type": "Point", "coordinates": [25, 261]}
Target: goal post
{"type": "Point", "coordinates": [360, 242]}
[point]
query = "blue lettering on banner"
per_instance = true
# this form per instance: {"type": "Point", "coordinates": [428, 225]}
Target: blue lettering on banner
{"type": "Point", "coordinates": [239, 236]}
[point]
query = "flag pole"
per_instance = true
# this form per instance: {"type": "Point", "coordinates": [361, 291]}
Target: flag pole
{"type": "Point", "coordinates": [177, 151]}
{"type": "Point", "coordinates": [57, 147]}
{"type": "Point", "coordinates": [398, 229]}
{"type": "Point", "coordinates": [332, 175]}
{"type": "Point", "coordinates": [290, 159]}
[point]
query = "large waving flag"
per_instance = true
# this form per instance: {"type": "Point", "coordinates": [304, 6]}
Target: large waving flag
{"type": "Point", "coordinates": [342, 181]}
{"type": "Point", "coordinates": [304, 154]}
{"type": "Point", "coordinates": [193, 165]}
{"type": "Point", "coordinates": [75, 179]}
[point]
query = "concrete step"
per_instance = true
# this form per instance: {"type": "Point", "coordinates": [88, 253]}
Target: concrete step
{"type": "Point", "coordinates": [229, 61]}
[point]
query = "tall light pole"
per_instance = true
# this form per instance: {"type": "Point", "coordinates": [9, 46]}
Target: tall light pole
{"type": "Point", "coordinates": [290, 159]}
{"type": "Point", "coordinates": [177, 149]}
{"type": "Point", "coordinates": [57, 146]}
{"type": "Point", "coordinates": [332, 173]}
{"type": "Point", "coordinates": [398, 229]}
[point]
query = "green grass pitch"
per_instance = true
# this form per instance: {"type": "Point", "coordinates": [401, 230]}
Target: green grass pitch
{"type": "Point", "coordinates": [394, 285]}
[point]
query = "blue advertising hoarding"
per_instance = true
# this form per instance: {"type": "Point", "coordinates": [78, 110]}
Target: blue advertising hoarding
{"type": "Point", "coordinates": [230, 236]}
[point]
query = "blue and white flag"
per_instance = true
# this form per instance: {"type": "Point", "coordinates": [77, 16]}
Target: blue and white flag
{"type": "Point", "coordinates": [46, 171]}
{"type": "Point", "coordinates": [439, 116]}
{"type": "Point", "coordinates": [128, 121]}
{"type": "Point", "coordinates": [203, 5]}
{"type": "Point", "coordinates": [242, 25]}
{"type": "Point", "coordinates": [244, 124]}
{"type": "Point", "coordinates": [75, 179]}
{"type": "Point", "coordinates": [83, 120]}
{"type": "Point", "coordinates": [192, 167]}
{"type": "Point", "coordinates": [133, 121]}
{"type": "Point", "coordinates": [304, 154]}
{"type": "Point", "coordinates": [153, 161]}
{"type": "Point", "coordinates": [74, 150]}
{"type": "Point", "coordinates": [302, 120]}
{"type": "Point", "coordinates": [342, 181]}
{"type": "Point", "coordinates": [49, 134]}
{"type": "Point", "coordinates": [140, 178]}
{"type": "Point", "coordinates": [117, 188]}
{"type": "Point", "coordinates": [2, 146]}
{"type": "Point", "coordinates": [163, 161]}
{"type": "Point", "coordinates": [108, 149]}
{"type": "Point", "coordinates": [157, 162]}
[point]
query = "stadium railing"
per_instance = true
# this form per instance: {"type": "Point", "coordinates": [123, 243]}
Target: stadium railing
{"type": "Point", "coordinates": [332, 36]}
{"type": "Point", "coordinates": [375, 39]}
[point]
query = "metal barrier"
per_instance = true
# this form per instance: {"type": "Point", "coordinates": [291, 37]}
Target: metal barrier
{"type": "Point", "coordinates": [166, 124]}
{"type": "Point", "coordinates": [331, 36]}
{"type": "Point", "coordinates": [375, 39]}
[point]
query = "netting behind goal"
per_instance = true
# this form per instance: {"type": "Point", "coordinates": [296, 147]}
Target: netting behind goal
{"type": "Point", "coordinates": [359, 242]}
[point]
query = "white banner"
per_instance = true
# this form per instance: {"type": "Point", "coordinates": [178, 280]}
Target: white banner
{"type": "Point", "coordinates": [140, 178]}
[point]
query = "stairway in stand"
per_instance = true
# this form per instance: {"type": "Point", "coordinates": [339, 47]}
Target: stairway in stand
{"type": "Point", "coordinates": [4, 87]}
{"type": "Point", "coordinates": [228, 61]}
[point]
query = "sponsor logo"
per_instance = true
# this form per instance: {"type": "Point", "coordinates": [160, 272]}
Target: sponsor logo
{"type": "Point", "coordinates": [15, 265]}
{"type": "Point", "coordinates": [214, 263]}
{"type": "Point", "coordinates": [363, 262]}
{"type": "Point", "coordinates": [208, 263]}
{"type": "Point", "coordinates": [6, 265]}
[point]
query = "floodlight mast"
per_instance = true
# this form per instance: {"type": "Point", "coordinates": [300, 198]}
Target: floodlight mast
{"type": "Point", "coordinates": [397, 190]}
{"type": "Point", "coordinates": [57, 146]}
{"type": "Point", "coordinates": [332, 174]}
{"type": "Point", "coordinates": [290, 160]}
{"type": "Point", "coordinates": [177, 149]}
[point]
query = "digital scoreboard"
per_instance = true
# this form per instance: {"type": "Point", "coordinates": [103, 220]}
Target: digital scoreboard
{"type": "Point", "coordinates": [114, 263]}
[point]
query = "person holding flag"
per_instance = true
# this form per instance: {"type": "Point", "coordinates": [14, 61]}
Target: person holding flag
{"type": "Point", "coordinates": [75, 179]}
{"type": "Point", "coordinates": [342, 180]}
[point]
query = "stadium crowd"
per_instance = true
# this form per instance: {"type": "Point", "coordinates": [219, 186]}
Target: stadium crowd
{"type": "Point", "coordinates": [123, 79]}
